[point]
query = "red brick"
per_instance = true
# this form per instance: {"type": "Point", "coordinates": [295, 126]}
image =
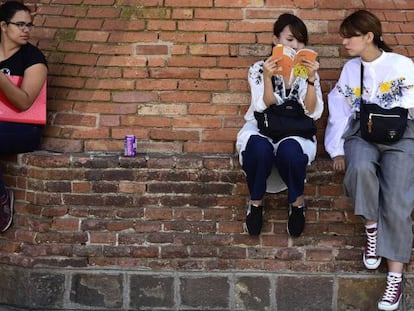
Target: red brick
{"type": "Point", "coordinates": [239, 3]}
{"type": "Point", "coordinates": [220, 135]}
{"type": "Point", "coordinates": [222, 13]}
{"type": "Point", "coordinates": [75, 120]}
{"type": "Point", "coordinates": [74, 59]}
{"type": "Point", "coordinates": [230, 38]}
{"type": "Point", "coordinates": [163, 25]}
{"type": "Point", "coordinates": [103, 12]}
{"type": "Point", "coordinates": [155, 49]}
{"type": "Point", "coordinates": [111, 84]}
{"type": "Point", "coordinates": [187, 97]}
{"type": "Point", "coordinates": [188, 3]}
{"type": "Point", "coordinates": [197, 122]}
{"type": "Point", "coordinates": [192, 62]}
{"type": "Point", "coordinates": [126, 25]}
{"type": "Point", "coordinates": [173, 134]}
{"type": "Point", "coordinates": [203, 25]}
{"type": "Point", "coordinates": [121, 61]}
{"type": "Point", "coordinates": [92, 36]}
{"type": "Point", "coordinates": [178, 73]}
{"type": "Point", "coordinates": [74, 81]}
{"type": "Point", "coordinates": [319, 255]}
{"type": "Point", "coordinates": [66, 224]}
{"type": "Point", "coordinates": [132, 37]}
{"type": "Point", "coordinates": [210, 50]}
{"type": "Point", "coordinates": [182, 37]}
{"type": "Point", "coordinates": [198, 109]}
{"type": "Point", "coordinates": [74, 46]}
{"type": "Point", "coordinates": [60, 21]}
{"type": "Point", "coordinates": [206, 147]}
{"type": "Point", "coordinates": [103, 48]}
{"type": "Point", "coordinates": [90, 24]}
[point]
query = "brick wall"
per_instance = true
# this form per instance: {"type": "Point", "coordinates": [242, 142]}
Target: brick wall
{"type": "Point", "coordinates": [157, 232]}
{"type": "Point", "coordinates": [184, 212]}
{"type": "Point", "coordinates": [174, 72]}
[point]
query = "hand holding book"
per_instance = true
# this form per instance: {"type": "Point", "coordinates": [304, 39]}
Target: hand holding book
{"type": "Point", "coordinates": [290, 63]}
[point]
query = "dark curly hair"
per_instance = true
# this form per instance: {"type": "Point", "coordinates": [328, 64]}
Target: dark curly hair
{"type": "Point", "coordinates": [9, 9]}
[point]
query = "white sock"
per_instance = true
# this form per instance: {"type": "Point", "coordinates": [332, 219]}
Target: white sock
{"type": "Point", "coordinates": [395, 274]}
{"type": "Point", "coordinates": [374, 225]}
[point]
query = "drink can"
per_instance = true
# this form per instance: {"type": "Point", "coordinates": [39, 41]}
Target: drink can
{"type": "Point", "coordinates": [130, 149]}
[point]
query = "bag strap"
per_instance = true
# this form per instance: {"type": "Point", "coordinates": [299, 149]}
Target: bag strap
{"type": "Point", "coordinates": [362, 82]}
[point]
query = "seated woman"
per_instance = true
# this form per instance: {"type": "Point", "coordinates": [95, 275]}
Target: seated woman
{"type": "Point", "coordinates": [378, 175]}
{"type": "Point", "coordinates": [18, 58]}
{"type": "Point", "coordinates": [274, 166]}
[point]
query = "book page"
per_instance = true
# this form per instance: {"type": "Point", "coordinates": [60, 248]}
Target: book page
{"type": "Point", "coordinates": [285, 65]}
{"type": "Point", "coordinates": [305, 54]}
{"type": "Point", "coordinates": [290, 65]}
{"type": "Point", "coordinates": [299, 70]}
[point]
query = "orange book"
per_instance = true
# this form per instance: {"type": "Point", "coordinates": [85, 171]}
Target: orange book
{"type": "Point", "coordinates": [36, 114]}
{"type": "Point", "coordinates": [290, 66]}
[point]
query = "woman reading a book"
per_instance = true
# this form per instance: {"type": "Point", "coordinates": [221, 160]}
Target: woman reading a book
{"type": "Point", "coordinates": [273, 166]}
{"type": "Point", "coordinates": [17, 58]}
{"type": "Point", "coordinates": [378, 176]}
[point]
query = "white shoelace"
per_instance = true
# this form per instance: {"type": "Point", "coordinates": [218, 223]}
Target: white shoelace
{"type": "Point", "coordinates": [371, 249]}
{"type": "Point", "coordinates": [391, 291]}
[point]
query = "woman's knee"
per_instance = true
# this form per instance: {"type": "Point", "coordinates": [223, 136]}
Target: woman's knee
{"type": "Point", "coordinates": [259, 147]}
{"type": "Point", "coordinates": [290, 149]}
{"type": "Point", "coordinates": [360, 167]}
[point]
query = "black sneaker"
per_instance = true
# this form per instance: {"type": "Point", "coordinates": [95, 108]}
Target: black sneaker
{"type": "Point", "coordinates": [296, 221]}
{"type": "Point", "coordinates": [6, 210]}
{"type": "Point", "coordinates": [254, 219]}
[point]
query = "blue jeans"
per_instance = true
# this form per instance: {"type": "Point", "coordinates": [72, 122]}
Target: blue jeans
{"type": "Point", "coordinates": [17, 138]}
{"type": "Point", "coordinates": [290, 161]}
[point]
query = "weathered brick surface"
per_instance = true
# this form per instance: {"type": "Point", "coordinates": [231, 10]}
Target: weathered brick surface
{"type": "Point", "coordinates": [152, 291]}
{"type": "Point", "coordinates": [93, 230]}
{"type": "Point", "coordinates": [187, 218]}
{"type": "Point", "coordinates": [97, 290]}
{"type": "Point", "coordinates": [174, 73]}
{"type": "Point", "coordinates": [34, 289]}
{"type": "Point", "coordinates": [252, 293]}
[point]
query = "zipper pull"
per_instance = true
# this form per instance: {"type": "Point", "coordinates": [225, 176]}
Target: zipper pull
{"type": "Point", "coordinates": [369, 123]}
{"type": "Point", "coordinates": [265, 121]}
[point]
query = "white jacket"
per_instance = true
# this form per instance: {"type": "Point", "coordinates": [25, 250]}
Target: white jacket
{"type": "Point", "coordinates": [388, 82]}
{"type": "Point", "coordinates": [255, 79]}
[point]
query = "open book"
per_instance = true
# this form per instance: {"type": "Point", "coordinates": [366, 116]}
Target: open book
{"type": "Point", "coordinates": [290, 66]}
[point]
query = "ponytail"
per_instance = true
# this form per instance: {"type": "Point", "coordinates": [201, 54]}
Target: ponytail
{"type": "Point", "coordinates": [382, 45]}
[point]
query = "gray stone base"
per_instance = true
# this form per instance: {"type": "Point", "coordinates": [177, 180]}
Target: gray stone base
{"type": "Point", "coordinates": [112, 289]}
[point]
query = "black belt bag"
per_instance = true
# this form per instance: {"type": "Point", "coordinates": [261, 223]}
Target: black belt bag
{"type": "Point", "coordinates": [381, 125]}
{"type": "Point", "coordinates": [287, 119]}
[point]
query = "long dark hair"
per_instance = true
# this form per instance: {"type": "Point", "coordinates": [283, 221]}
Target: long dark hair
{"type": "Point", "coordinates": [9, 9]}
{"type": "Point", "coordinates": [362, 22]}
{"type": "Point", "coordinates": [296, 26]}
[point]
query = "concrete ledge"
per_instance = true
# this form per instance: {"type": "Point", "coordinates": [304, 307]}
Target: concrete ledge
{"type": "Point", "coordinates": [126, 289]}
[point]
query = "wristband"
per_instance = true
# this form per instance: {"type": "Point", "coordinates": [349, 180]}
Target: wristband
{"type": "Point", "coordinates": [310, 83]}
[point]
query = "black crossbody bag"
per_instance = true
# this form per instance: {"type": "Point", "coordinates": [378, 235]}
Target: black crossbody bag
{"type": "Point", "coordinates": [287, 119]}
{"type": "Point", "coordinates": [381, 125]}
